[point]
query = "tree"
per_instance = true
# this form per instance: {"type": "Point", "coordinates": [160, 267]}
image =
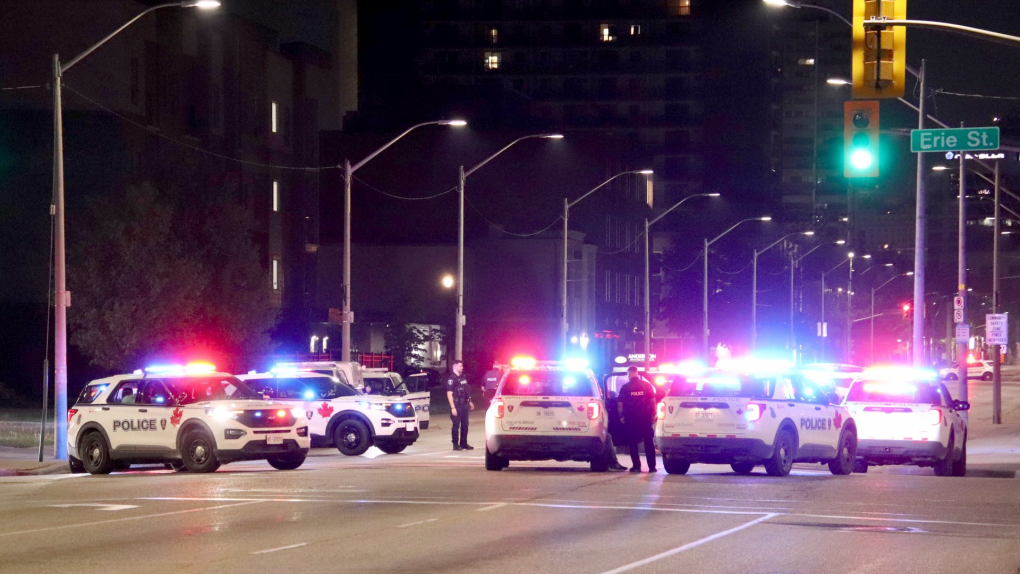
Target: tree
{"type": "Point", "coordinates": [151, 282]}
{"type": "Point", "coordinates": [408, 343]}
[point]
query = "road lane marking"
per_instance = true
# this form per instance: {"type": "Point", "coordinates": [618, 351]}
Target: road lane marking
{"type": "Point", "coordinates": [106, 507]}
{"type": "Point", "coordinates": [281, 548]}
{"type": "Point", "coordinates": [913, 520]}
{"type": "Point", "coordinates": [417, 523]}
{"type": "Point", "coordinates": [690, 545]}
{"type": "Point", "coordinates": [493, 507]}
{"type": "Point", "coordinates": [98, 522]}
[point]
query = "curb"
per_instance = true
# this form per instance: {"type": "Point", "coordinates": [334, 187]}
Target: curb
{"type": "Point", "coordinates": [56, 467]}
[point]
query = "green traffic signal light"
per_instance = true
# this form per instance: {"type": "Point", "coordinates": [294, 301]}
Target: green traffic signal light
{"type": "Point", "coordinates": [860, 138]}
{"type": "Point", "coordinates": [861, 159]}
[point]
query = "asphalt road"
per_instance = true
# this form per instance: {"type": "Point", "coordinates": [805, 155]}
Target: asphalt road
{"type": "Point", "coordinates": [433, 510]}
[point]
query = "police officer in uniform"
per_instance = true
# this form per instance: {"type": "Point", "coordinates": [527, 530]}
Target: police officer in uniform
{"type": "Point", "coordinates": [491, 379]}
{"type": "Point", "coordinates": [636, 405]}
{"type": "Point", "coordinates": [459, 394]}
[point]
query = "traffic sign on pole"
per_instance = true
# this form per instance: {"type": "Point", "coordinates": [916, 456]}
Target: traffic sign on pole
{"type": "Point", "coordinates": [958, 302]}
{"type": "Point", "coordinates": [996, 329]}
{"type": "Point", "coordinates": [958, 315]}
{"type": "Point", "coordinates": [954, 139]}
{"type": "Point", "coordinates": [962, 333]}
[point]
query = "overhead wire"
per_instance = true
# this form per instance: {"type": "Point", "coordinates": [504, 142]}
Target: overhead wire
{"type": "Point", "coordinates": [406, 198]}
{"type": "Point", "coordinates": [500, 229]}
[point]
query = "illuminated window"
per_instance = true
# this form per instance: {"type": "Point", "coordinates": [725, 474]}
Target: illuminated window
{"type": "Point", "coordinates": [635, 29]}
{"type": "Point", "coordinates": [493, 35]}
{"type": "Point", "coordinates": [492, 60]}
{"type": "Point", "coordinates": [276, 274]}
{"type": "Point", "coordinates": [606, 33]}
{"type": "Point", "coordinates": [678, 7]}
{"type": "Point", "coordinates": [276, 195]}
{"type": "Point", "coordinates": [273, 113]}
{"type": "Point", "coordinates": [806, 62]}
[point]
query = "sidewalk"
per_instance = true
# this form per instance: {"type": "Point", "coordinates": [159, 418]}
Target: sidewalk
{"type": "Point", "coordinates": [25, 461]}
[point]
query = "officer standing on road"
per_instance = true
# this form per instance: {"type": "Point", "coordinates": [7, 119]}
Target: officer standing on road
{"type": "Point", "coordinates": [637, 412]}
{"type": "Point", "coordinates": [459, 394]}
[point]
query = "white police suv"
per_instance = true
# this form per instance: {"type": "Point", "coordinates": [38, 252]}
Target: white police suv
{"type": "Point", "coordinates": [546, 410]}
{"type": "Point", "coordinates": [337, 413]}
{"type": "Point", "coordinates": [389, 384]}
{"type": "Point", "coordinates": [906, 416]}
{"type": "Point", "coordinates": [189, 417]}
{"type": "Point", "coordinates": [751, 418]}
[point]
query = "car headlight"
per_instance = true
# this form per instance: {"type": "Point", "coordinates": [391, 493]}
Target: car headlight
{"type": "Point", "coordinates": [298, 413]}
{"type": "Point", "coordinates": [222, 413]}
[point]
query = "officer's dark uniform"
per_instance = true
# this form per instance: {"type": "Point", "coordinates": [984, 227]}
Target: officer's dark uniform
{"type": "Point", "coordinates": [638, 400]}
{"type": "Point", "coordinates": [458, 385]}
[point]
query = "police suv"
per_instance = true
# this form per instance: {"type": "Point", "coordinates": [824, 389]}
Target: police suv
{"type": "Point", "coordinates": [189, 417]}
{"type": "Point", "coordinates": [749, 418]}
{"type": "Point", "coordinates": [546, 410]}
{"type": "Point", "coordinates": [907, 416]}
{"type": "Point", "coordinates": [389, 384]}
{"type": "Point", "coordinates": [337, 413]}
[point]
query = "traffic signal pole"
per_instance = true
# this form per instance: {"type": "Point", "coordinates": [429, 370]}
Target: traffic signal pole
{"type": "Point", "coordinates": [961, 279]}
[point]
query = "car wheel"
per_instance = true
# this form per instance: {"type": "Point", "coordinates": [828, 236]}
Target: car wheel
{"type": "Point", "coordinates": [782, 457]}
{"type": "Point", "coordinates": [675, 465]}
{"type": "Point", "coordinates": [351, 437]}
{"type": "Point", "coordinates": [75, 465]}
{"type": "Point", "coordinates": [197, 452]}
{"type": "Point", "coordinates": [286, 462]}
{"type": "Point", "coordinates": [944, 467]}
{"type": "Point", "coordinates": [986, 377]}
{"type": "Point", "coordinates": [391, 448]}
{"type": "Point", "coordinates": [860, 467]}
{"type": "Point", "coordinates": [960, 465]}
{"type": "Point", "coordinates": [493, 462]}
{"type": "Point", "coordinates": [742, 467]}
{"type": "Point", "coordinates": [952, 377]}
{"type": "Point", "coordinates": [846, 456]}
{"type": "Point", "coordinates": [423, 425]}
{"type": "Point", "coordinates": [95, 454]}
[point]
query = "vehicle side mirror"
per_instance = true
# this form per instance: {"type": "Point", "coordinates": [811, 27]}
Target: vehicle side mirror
{"type": "Point", "coordinates": [961, 405]}
{"type": "Point", "coordinates": [832, 397]}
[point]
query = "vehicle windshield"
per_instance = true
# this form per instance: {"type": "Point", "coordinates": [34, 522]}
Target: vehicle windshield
{"type": "Point", "coordinates": [879, 391]}
{"type": "Point", "coordinates": [217, 388]}
{"type": "Point", "coordinates": [542, 383]}
{"type": "Point", "coordinates": [724, 386]}
{"type": "Point", "coordinates": [417, 383]}
{"type": "Point", "coordinates": [90, 392]}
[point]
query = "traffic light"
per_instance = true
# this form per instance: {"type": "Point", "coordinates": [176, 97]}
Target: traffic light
{"type": "Point", "coordinates": [879, 54]}
{"type": "Point", "coordinates": [860, 139]}
{"type": "Point", "coordinates": [906, 310]}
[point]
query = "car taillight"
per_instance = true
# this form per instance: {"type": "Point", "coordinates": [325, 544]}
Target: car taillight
{"type": "Point", "coordinates": [594, 410]}
{"type": "Point", "coordinates": [499, 407]}
{"type": "Point", "coordinates": [660, 411]}
{"type": "Point", "coordinates": [934, 416]}
{"type": "Point", "coordinates": [754, 411]}
{"type": "Point", "coordinates": [70, 414]}
{"type": "Point", "coordinates": [302, 431]}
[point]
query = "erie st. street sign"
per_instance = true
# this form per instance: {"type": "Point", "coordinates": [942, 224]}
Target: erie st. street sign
{"type": "Point", "coordinates": [954, 139]}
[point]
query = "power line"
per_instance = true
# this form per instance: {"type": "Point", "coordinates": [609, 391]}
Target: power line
{"type": "Point", "coordinates": [741, 270]}
{"type": "Point", "coordinates": [500, 229]}
{"type": "Point", "coordinates": [626, 247]}
{"type": "Point", "coordinates": [696, 259]}
{"type": "Point", "coordinates": [394, 196]}
{"type": "Point", "coordinates": [11, 88]}
{"type": "Point", "coordinates": [982, 96]}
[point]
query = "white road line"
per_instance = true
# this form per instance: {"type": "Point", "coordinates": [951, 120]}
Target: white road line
{"type": "Point", "coordinates": [688, 546]}
{"type": "Point", "coordinates": [642, 507]}
{"type": "Point", "coordinates": [913, 520]}
{"type": "Point", "coordinates": [281, 548]}
{"type": "Point", "coordinates": [417, 523]}
{"type": "Point", "coordinates": [66, 526]}
{"type": "Point", "coordinates": [493, 507]}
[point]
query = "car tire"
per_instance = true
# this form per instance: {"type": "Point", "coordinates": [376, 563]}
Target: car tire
{"type": "Point", "coordinates": [675, 465]}
{"type": "Point", "coordinates": [986, 376]}
{"type": "Point", "coordinates": [75, 465]}
{"type": "Point", "coordinates": [95, 454]}
{"type": "Point", "coordinates": [493, 462]}
{"type": "Point", "coordinates": [781, 461]}
{"type": "Point", "coordinates": [944, 467]}
{"type": "Point", "coordinates": [960, 464]}
{"type": "Point", "coordinates": [286, 462]}
{"type": "Point", "coordinates": [860, 467]}
{"type": "Point", "coordinates": [391, 448]}
{"type": "Point", "coordinates": [952, 377]}
{"type": "Point", "coordinates": [352, 438]}
{"type": "Point", "coordinates": [198, 452]}
{"type": "Point", "coordinates": [423, 425]}
{"type": "Point", "coordinates": [742, 467]}
{"type": "Point", "coordinates": [846, 454]}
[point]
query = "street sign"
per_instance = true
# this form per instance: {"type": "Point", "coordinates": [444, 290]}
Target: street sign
{"type": "Point", "coordinates": [958, 302]}
{"type": "Point", "coordinates": [958, 315]}
{"type": "Point", "coordinates": [996, 329]}
{"type": "Point", "coordinates": [954, 139]}
{"type": "Point", "coordinates": [962, 333]}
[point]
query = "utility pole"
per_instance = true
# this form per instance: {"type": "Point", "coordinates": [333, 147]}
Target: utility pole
{"type": "Point", "coordinates": [961, 279]}
{"type": "Point", "coordinates": [996, 349]}
{"type": "Point", "coordinates": [920, 215]}
{"type": "Point", "coordinates": [458, 339]}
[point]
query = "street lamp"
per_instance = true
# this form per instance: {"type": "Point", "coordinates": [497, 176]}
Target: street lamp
{"type": "Point", "coordinates": [754, 284]}
{"type": "Point", "coordinates": [872, 352]}
{"type": "Point", "coordinates": [795, 4]}
{"type": "Point", "coordinates": [704, 293]}
{"type": "Point", "coordinates": [348, 317]}
{"type": "Point", "coordinates": [825, 334]}
{"type": "Point", "coordinates": [648, 305]}
{"type": "Point", "coordinates": [459, 319]}
{"type": "Point", "coordinates": [567, 204]}
{"type": "Point", "coordinates": [63, 297]}
{"type": "Point", "coordinates": [447, 281]}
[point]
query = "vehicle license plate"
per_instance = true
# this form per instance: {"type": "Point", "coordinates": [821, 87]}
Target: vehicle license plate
{"type": "Point", "coordinates": [410, 427]}
{"type": "Point", "coordinates": [704, 416]}
{"type": "Point", "coordinates": [274, 439]}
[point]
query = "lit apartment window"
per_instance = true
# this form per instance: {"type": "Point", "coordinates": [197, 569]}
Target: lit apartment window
{"type": "Point", "coordinates": [606, 33]}
{"type": "Point", "coordinates": [492, 60]}
{"type": "Point", "coordinates": [276, 274]}
{"type": "Point", "coordinates": [635, 29]}
{"type": "Point", "coordinates": [276, 195]}
{"type": "Point", "coordinates": [274, 109]}
{"type": "Point", "coordinates": [679, 7]}
{"type": "Point", "coordinates": [806, 62]}
{"type": "Point", "coordinates": [493, 35]}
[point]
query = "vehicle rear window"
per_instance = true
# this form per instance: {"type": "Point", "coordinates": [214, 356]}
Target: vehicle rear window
{"type": "Point", "coordinates": [90, 393]}
{"type": "Point", "coordinates": [199, 389]}
{"type": "Point", "coordinates": [541, 383]}
{"type": "Point", "coordinates": [724, 386]}
{"type": "Point", "coordinates": [892, 392]}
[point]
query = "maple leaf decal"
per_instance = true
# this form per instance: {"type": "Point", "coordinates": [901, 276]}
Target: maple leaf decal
{"type": "Point", "coordinates": [175, 418]}
{"type": "Point", "coordinates": [837, 420]}
{"type": "Point", "coordinates": [325, 410]}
